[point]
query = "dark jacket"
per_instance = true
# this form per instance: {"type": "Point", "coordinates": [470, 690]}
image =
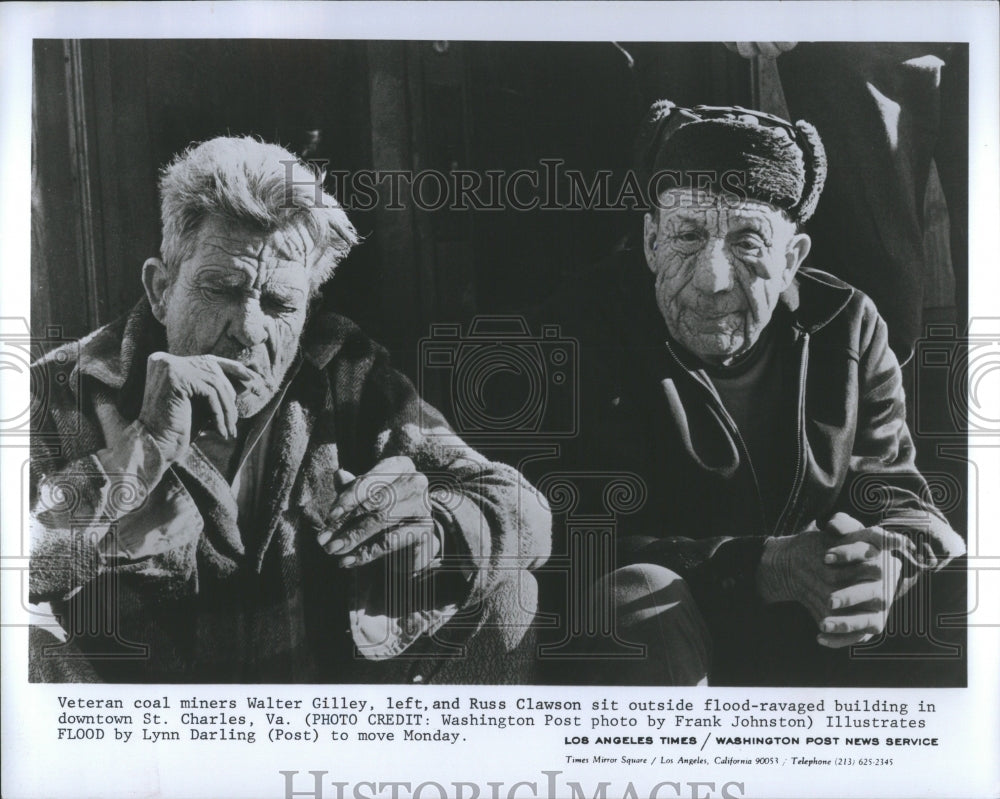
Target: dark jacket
{"type": "Point", "coordinates": [260, 601]}
{"type": "Point", "coordinates": [644, 412]}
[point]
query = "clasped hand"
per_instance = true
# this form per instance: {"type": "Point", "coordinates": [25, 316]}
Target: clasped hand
{"type": "Point", "coordinates": [845, 575]}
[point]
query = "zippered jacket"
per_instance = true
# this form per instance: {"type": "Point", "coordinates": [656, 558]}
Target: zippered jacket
{"type": "Point", "coordinates": [647, 418]}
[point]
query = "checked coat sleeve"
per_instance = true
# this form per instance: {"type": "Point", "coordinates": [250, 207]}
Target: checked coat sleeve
{"type": "Point", "coordinates": [494, 524]}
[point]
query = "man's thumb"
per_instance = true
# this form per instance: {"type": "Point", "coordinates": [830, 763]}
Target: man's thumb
{"type": "Point", "coordinates": [342, 478]}
{"type": "Point", "coordinates": [842, 523]}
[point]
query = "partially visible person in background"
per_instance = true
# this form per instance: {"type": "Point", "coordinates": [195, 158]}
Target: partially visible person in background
{"type": "Point", "coordinates": [885, 111]}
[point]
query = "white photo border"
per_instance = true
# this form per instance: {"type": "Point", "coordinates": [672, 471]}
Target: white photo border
{"type": "Point", "coordinates": [34, 766]}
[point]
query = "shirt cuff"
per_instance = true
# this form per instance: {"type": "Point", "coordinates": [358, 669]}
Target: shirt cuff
{"type": "Point", "coordinates": [454, 540]}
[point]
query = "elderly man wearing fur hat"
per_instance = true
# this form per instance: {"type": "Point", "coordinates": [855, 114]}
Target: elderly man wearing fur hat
{"type": "Point", "coordinates": [232, 484]}
{"type": "Point", "coordinates": [762, 407]}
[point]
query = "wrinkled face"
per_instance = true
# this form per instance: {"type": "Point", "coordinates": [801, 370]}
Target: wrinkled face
{"type": "Point", "coordinates": [242, 295]}
{"type": "Point", "coordinates": [720, 268]}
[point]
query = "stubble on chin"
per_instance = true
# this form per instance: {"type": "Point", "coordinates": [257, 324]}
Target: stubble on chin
{"type": "Point", "coordinates": [722, 341]}
{"type": "Point", "coordinates": [252, 399]}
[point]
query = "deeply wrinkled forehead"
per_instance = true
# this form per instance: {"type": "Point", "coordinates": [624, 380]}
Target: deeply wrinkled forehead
{"type": "Point", "coordinates": [219, 245]}
{"type": "Point", "coordinates": [707, 207]}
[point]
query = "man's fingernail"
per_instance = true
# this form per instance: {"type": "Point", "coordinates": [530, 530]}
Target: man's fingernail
{"type": "Point", "coordinates": [828, 627]}
{"type": "Point", "coordinates": [323, 537]}
{"type": "Point", "coordinates": [835, 603]}
{"type": "Point", "coordinates": [348, 560]}
{"type": "Point", "coordinates": [338, 545]}
{"type": "Point", "coordinates": [829, 558]}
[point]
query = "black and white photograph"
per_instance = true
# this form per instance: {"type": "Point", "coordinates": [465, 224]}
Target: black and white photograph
{"type": "Point", "coordinates": [622, 404]}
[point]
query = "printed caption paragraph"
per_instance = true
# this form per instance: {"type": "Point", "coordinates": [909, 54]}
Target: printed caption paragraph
{"type": "Point", "coordinates": [671, 731]}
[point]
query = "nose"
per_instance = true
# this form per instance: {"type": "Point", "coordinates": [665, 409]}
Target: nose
{"type": "Point", "coordinates": [713, 271]}
{"type": "Point", "coordinates": [247, 325]}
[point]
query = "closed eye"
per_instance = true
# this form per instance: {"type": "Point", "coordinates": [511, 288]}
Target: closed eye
{"type": "Point", "coordinates": [278, 305]}
{"type": "Point", "coordinates": [217, 293]}
{"type": "Point", "coordinates": [688, 236]}
{"type": "Point", "coordinates": [749, 246]}
{"type": "Point", "coordinates": [687, 242]}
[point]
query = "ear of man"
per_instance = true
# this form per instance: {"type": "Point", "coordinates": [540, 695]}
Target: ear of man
{"type": "Point", "coordinates": [796, 252]}
{"type": "Point", "coordinates": [156, 280]}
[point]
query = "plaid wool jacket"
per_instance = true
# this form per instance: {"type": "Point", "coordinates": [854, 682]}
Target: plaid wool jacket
{"type": "Point", "coordinates": [260, 601]}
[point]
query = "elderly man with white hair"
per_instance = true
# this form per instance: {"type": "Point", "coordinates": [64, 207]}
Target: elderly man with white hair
{"type": "Point", "coordinates": [232, 484]}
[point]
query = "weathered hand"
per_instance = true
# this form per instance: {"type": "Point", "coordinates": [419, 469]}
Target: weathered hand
{"type": "Point", "coordinates": [173, 381]}
{"type": "Point", "coordinates": [844, 575]}
{"type": "Point", "coordinates": [766, 49]}
{"type": "Point", "coordinates": [792, 570]}
{"type": "Point", "coordinates": [384, 512]}
{"type": "Point", "coordinates": [863, 564]}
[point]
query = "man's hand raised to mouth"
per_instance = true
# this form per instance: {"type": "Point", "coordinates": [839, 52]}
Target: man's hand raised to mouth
{"type": "Point", "coordinates": [173, 381]}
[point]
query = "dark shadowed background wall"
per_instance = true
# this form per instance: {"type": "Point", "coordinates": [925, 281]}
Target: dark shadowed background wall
{"type": "Point", "coordinates": [108, 114]}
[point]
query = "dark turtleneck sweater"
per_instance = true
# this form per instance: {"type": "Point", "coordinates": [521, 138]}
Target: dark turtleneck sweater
{"type": "Point", "coordinates": [759, 392]}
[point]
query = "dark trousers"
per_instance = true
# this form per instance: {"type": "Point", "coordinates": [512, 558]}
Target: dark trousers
{"type": "Point", "coordinates": [641, 626]}
{"type": "Point", "coordinates": [923, 644]}
{"type": "Point", "coordinates": [637, 625]}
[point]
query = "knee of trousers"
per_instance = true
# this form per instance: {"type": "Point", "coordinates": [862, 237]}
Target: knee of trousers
{"type": "Point", "coordinates": [642, 591]}
{"type": "Point", "coordinates": [653, 606]}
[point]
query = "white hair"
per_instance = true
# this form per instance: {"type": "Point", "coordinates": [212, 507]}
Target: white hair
{"type": "Point", "coordinates": [249, 183]}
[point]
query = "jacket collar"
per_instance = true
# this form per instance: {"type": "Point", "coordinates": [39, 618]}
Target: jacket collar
{"type": "Point", "coordinates": [115, 355]}
{"type": "Point", "coordinates": [108, 354]}
{"type": "Point", "coordinates": [816, 298]}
